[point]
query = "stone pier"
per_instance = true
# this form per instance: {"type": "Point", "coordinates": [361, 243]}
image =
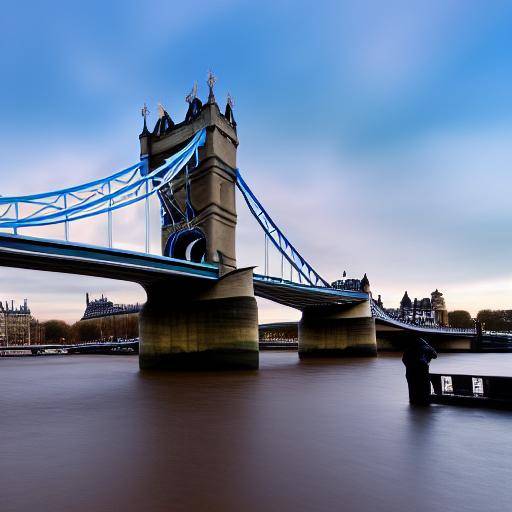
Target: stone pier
{"type": "Point", "coordinates": [203, 326]}
{"type": "Point", "coordinates": [337, 331]}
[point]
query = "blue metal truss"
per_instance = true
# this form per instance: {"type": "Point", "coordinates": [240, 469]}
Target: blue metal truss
{"type": "Point", "coordinates": [305, 271]}
{"type": "Point", "coordinates": [121, 189]}
{"type": "Point", "coordinates": [129, 186]}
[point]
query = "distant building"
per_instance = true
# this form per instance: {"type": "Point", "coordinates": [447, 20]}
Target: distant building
{"type": "Point", "coordinates": [426, 311]}
{"type": "Point", "coordinates": [15, 324]}
{"type": "Point", "coordinates": [439, 307]}
{"type": "Point", "coordinates": [105, 321]}
{"type": "Point", "coordinates": [352, 284]}
{"type": "Point", "coordinates": [103, 307]}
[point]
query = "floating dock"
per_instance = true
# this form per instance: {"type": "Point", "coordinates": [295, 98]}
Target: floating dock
{"type": "Point", "coordinates": [471, 390]}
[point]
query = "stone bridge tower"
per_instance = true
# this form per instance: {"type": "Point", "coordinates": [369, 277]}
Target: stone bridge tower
{"type": "Point", "coordinates": [199, 210]}
{"type": "Point", "coordinates": [199, 325]}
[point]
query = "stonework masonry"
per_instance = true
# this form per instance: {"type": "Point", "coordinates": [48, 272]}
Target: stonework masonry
{"type": "Point", "coordinates": [337, 331]}
{"type": "Point", "coordinates": [15, 324]}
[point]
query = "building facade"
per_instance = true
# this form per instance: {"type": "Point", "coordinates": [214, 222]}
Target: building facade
{"type": "Point", "coordinates": [15, 324]}
{"type": "Point", "coordinates": [101, 307]}
{"type": "Point", "coordinates": [359, 285]}
{"type": "Point", "coordinates": [105, 321]}
{"type": "Point", "coordinates": [426, 311]}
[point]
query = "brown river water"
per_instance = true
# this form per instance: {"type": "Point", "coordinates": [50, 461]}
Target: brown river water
{"type": "Point", "coordinates": [91, 433]}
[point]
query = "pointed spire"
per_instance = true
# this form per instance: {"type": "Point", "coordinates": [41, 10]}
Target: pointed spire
{"type": "Point", "coordinates": [211, 82]}
{"type": "Point", "coordinates": [406, 302]}
{"type": "Point", "coordinates": [192, 95]}
{"type": "Point", "coordinates": [144, 112]}
{"type": "Point", "coordinates": [365, 284]}
{"type": "Point", "coordinates": [228, 113]}
{"type": "Point", "coordinates": [194, 104]}
{"type": "Point", "coordinates": [164, 124]}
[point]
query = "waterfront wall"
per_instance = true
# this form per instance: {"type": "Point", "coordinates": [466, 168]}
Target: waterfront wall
{"type": "Point", "coordinates": [397, 341]}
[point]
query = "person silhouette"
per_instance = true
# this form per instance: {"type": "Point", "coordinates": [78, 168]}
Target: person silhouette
{"type": "Point", "coordinates": [416, 358]}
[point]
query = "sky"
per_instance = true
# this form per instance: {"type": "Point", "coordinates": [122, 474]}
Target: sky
{"type": "Point", "coordinates": [376, 134]}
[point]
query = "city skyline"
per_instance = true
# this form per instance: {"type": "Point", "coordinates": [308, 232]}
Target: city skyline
{"type": "Point", "coordinates": [377, 154]}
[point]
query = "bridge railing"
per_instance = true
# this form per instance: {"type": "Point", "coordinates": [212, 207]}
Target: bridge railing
{"type": "Point", "coordinates": [380, 313]}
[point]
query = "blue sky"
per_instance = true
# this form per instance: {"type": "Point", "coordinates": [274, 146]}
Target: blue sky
{"type": "Point", "coordinates": [376, 133]}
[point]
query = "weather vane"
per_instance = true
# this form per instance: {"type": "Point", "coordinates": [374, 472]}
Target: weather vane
{"type": "Point", "coordinates": [211, 79]}
{"type": "Point", "coordinates": [191, 96]}
{"type": "Point", "coordinates": [211, 82]}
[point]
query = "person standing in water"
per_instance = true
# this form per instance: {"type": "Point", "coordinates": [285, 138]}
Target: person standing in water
{"type": "Point", "coordinates": [416, 359]}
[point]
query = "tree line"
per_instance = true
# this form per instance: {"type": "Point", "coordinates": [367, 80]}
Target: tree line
{"type": "Point", "coordinates": [95, 329]}
{"type": "Point", "coordinates": [127, 326]}
{"type": "Point", "coordinates": [491, 319]}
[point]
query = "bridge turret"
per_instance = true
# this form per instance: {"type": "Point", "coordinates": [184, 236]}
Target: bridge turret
{"type": "Point", "coordinates": [365, 284]}
{"type": "Point", "coordinates": [199, 220]}
{"type": "Point", "coordinates": [405, 304]}
{"type": "Point", "coordinates": [145, 134]}
{"type": "Point", "coordinates": [165, 124]}
{"type": "Point", "coordinates": [228, 112]}
{"type": "Point", "coordinates": [439, 307]}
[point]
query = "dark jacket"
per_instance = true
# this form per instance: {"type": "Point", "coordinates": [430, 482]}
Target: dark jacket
{"type": "Point", "coordinates": [418, 353]}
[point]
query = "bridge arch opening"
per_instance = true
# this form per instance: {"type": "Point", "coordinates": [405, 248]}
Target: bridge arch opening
{"type": "Point", "coordinates": [187, 244]}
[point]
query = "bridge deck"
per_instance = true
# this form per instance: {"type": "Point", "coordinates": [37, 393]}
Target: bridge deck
{"type": "Point", "coordinates": [300, 296]}
{"type": "Point", "coordinates": [72, 258]}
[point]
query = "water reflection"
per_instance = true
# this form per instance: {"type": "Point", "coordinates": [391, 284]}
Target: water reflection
{"type": "Point", "coordinates": [92, 433]}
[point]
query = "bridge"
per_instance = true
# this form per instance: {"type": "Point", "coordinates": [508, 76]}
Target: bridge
{"type": "Point", "coordinates": [201, 310]}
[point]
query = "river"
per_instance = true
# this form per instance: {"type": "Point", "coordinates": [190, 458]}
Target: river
{"type": "Point", "coordinates": [90, 433]}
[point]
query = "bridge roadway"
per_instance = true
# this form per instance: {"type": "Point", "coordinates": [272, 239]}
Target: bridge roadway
{"type": "Point", "coordinates": [72, 258]}
{"type": "Point", "coordinates": [390, 323]}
